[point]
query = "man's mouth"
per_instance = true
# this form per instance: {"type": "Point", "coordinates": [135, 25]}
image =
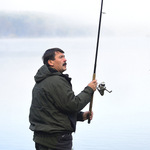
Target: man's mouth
{"type": "Point", "coordinates": [64, 64]}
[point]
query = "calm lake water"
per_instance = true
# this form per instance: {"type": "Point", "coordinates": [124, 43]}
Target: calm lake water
{"type": "Point", "coordinates": [121, 119]}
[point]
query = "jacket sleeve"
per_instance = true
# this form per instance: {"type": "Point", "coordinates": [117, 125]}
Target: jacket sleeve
{"type": "Point", "coordinates": [80, 116]}
{"type": "Point", "coordinates": [64, 99]}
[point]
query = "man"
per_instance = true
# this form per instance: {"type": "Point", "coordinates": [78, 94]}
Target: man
{"type": "Point", "coordinates": [55, 109]}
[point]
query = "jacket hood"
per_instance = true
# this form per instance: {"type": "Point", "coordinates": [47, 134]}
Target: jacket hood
{"type": "Point", "coordinates": [43, 73]}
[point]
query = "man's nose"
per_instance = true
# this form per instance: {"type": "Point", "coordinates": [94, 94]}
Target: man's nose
{"type": "Point", "coordinates": [65, 59]}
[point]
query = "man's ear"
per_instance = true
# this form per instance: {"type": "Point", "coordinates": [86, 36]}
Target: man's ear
{"type": "Point", "coordinates": [50, 62]}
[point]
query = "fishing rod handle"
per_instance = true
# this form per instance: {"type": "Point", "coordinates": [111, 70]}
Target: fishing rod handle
{"type": "Point", "coordinates": [90, 109]}
{"type": "Point", "coordinates": [91, 103]}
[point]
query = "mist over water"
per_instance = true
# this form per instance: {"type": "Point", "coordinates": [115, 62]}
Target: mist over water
{"type": "Point", "coordinates": [121, 119]}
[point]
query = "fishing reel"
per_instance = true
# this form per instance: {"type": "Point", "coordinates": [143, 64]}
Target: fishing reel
{"type": "Point", "coordinates": [101, 88]}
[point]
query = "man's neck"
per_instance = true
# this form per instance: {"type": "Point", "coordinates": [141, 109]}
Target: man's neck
{"type": "Point", "coordinates": [52, 70]}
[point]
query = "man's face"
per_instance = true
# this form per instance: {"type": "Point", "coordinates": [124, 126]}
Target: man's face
{"type": "Point", "coordinates": [59, 63]}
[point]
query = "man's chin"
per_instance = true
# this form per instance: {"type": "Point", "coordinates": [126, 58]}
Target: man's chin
{"type": "Point", "coordinates": [64, 69]}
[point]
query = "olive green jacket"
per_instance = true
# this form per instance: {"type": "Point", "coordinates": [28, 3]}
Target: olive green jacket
{"type": "Point", "coordinates": [54, 107]}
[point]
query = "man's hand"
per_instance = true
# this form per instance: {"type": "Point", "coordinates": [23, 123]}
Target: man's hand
{"type": "Point", "coordinates": [93, 84]}
{"type": "Point", "coordinates": [86, 115]}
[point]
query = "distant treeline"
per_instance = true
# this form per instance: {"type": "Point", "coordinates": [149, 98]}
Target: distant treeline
{"type": "Point", "coordinates": [39, 25]}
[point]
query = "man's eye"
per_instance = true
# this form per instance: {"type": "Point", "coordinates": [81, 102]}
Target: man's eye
{"type": "Point", "coordinates": [62, 56]}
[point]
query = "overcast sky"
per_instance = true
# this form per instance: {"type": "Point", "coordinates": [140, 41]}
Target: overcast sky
{"type": "Point", "coordinates": [120, 14]}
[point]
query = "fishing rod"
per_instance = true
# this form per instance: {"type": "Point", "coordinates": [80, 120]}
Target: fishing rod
{"type": "Point", "coordinates": [94, 73]}
{"type": "Point", "coordinates": [101, 87]}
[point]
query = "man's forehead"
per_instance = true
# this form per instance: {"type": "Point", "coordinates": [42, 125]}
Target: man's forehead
{"type": "Point", "coordinates": [59, 53]}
